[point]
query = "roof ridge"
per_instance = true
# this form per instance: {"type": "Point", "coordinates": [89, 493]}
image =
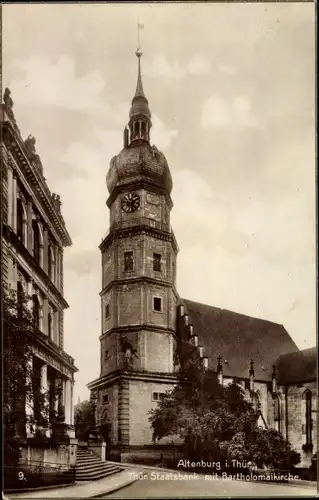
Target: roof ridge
{"type": "Point", "coordinates": [234, 312]}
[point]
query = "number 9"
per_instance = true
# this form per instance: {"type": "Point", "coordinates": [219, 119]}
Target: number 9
{"type": "Point", "coordinates": [21, 475]}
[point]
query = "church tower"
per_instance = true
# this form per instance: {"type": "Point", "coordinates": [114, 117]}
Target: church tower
{"type": "Point", "coordinates": [138, 297]}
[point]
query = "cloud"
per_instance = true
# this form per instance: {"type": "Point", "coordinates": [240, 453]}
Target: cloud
{"type": "Point", "coordinates": [84, 262]}
{"type": "Point", "coordinates": [55, 84]}
{"type": "Point", "coordinates": [81, 171]}
{"type": "Point", "coordinates": [161, 67]}
{"type": "Point", "coordinates": [84, 196]}
{"type": "Point", "coordinates": [199, 66]}
{"type": "Point", "coordinates": [162, 136]}
{"type": "Point", "coordinates": [242, 262]}
{"type": "Point", "coordinates": [227, 70]}
{"type": "Point", "coordinates": [219, 113]}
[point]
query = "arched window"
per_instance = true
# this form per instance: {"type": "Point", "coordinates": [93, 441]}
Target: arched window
{"type": "Point", "coordinates": [36, 241]}
{"type": "Point", "coordinates": [36, 311]}
{"type": "Point", "coordinates": [136, 128]}
{"type": "Point", "coordinates": [308, 416]}
{"type": "Point", "coordinates": [277, 416]}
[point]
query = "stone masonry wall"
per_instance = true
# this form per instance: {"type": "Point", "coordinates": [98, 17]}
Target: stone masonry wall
{"type": "Point", "coordinates": [141, 401]}
{"type": "Point", "coordinates": [297, 420]}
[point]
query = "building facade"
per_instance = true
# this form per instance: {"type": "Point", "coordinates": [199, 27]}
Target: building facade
{"type": "Point", "coordinates": [34, 236]}
{"type": "Point", "coordinates": [143, 316]}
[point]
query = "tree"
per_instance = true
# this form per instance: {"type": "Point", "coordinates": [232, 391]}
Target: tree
{"type": "Point", "coordinates": [20, 384]}
{"type": "Point", "coordinates": [216, 422]}
{"type": "Point", "coordinates": [84, 420]}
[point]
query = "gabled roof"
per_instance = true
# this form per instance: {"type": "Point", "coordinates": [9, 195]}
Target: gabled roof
{"type": "Point", "coordinates": [297, 367]}
{"type": "Point", "coordinates": [238, 339]}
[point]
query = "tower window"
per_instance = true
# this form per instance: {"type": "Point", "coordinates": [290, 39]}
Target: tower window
{"type": "Point", "coordinates": [157, 262]}
{"type": "Point", "coordinates": [157, 304]}
{"type": "Point", "coordinates": [105, 398]}
{"type": "Point", "coordinates": [128, 261]}
{"type": "Point", "coordinates": [158, 396]}
{"type": "Point", "coordinates": [106, 354]}
{"type": "Point", "coordinates": [106, 311]}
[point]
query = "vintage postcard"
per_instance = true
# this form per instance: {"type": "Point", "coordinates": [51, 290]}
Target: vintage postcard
{"type": "Point", "coordinates": [158, 250]}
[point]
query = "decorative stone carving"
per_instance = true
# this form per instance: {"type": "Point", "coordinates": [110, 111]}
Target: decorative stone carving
{"type": "Point", "coordinates": [8, 103]}
{"type": "Point", "coordinates": [128, 354]}
{"type": "Point", "coordinates": [34, 157]}
{"type": "Point", "coordinates": [30, 145]}
{"type": "Point", "coordinates": [56, 202]}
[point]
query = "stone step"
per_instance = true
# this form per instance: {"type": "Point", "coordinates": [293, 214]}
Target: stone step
{"type": "Point", "coordinates": [100, 466]}
{"type": "Point", "coordinates": [87, 459]}
{"type": "Point", "coordinates": [96, 474]}
{"type": "Point", "coordinates": [89, 467]}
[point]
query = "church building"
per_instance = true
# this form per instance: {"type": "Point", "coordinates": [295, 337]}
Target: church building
{"type": "Point", "coordinates": [143, 316]}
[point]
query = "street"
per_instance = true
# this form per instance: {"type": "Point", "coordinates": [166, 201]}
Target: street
{"type": "Point", "coordinates": [151, 484]}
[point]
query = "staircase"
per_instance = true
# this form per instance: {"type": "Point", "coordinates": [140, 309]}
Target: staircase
{"type": "Point", "coordinates": [89, 467]}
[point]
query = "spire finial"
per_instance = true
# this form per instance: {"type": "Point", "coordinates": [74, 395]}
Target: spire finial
{"type": "Point", "coordinates": [139, 87]}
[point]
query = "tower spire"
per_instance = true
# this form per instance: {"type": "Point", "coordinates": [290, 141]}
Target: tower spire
{"type": "Point", "coordinates": [140, 115]}
{"type": "Point", "coordinates": [139, 86]}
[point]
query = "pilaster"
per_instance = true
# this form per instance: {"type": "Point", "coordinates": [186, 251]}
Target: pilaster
{"type": "Point", "coordinates": [29, 293]}
{"type": "Point", "coordinates": [45, 308]}
{"type": "Point", "coordinates": [45, 250]}
{"type": "Point", "coordinates": [57, 258]}
{"type": "Point", "coordinates": [68, 401]}
{"type": "Point", "coordinates": [61, 326]}
{"type": "Point", "coordinates": [124, 413]}
{"type": "Point", "coordinates": [56, 327]}
{"type": "Point", "coordinates": [29, 226]}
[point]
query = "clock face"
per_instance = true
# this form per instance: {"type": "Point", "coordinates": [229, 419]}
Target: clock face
{"type": "Point", "coordinates": [130, 202]}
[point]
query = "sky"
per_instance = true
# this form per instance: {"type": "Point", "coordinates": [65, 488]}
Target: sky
{"type": "Point", "coordinates": [231, 88]}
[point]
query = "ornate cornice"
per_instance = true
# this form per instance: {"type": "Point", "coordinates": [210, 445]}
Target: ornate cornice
{"type": "Point", "coordinates": [141, 279]}
{"type": "Point", "coordinates": [17, 148]}
{"type": "Point", "coordinates": [52, 349]}
{"type": "Point", "coordinates": [142, 228]}
{"type": "Point", "coordinates": [138, 328]}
